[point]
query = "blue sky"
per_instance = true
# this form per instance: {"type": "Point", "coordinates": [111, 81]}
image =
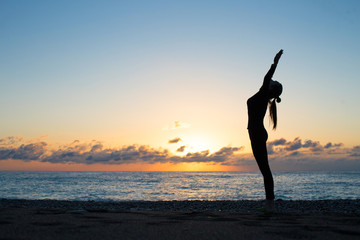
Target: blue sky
{"type": "Point", "coordinates": [120, 72]}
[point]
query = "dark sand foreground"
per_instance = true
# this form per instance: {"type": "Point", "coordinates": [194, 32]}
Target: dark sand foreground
{"type": "Point", "coordinates": [47, 219]}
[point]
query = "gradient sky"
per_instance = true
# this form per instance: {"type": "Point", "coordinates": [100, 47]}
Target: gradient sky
{"type": "Point", "coordinates": [162, 85]}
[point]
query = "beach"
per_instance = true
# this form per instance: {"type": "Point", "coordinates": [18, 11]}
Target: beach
{"type": "Point", "coordinates": [52, 219]}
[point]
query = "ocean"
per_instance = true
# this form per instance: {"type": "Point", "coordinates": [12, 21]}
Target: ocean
{"type": "Point", "coordinates": [167, 186]}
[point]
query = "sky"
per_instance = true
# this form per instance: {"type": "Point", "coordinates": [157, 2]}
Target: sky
{"type": "Point", "coordinates": [162, 85]}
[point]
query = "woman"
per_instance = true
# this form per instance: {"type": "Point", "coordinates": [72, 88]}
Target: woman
{"type": "Point", "coordinates": [267, 95]}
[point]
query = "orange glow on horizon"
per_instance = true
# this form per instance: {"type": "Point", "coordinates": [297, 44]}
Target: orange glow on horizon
{"type": "Point", "coordinates": [14, 165]}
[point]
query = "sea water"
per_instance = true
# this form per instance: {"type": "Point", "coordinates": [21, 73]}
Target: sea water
{"type": "Point", "coordinates": [157, 186]}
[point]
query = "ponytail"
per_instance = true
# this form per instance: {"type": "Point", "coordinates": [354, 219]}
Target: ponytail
{"type": "Point", "coordinates": [272, 109]}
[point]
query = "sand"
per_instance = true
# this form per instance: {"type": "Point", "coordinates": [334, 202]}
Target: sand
{"type": "Point", "coordinates": [65, 220]}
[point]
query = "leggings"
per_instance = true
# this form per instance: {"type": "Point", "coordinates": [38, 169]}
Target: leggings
{"type": "Point", "coordinates": [258, 139]}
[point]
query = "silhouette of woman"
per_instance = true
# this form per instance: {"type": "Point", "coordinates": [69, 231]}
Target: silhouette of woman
{"type": "Point", "coordinates": [267, 95]}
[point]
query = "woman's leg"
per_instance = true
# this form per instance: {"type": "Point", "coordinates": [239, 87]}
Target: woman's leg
{"type": "Point", "coordinates": [261, 156]}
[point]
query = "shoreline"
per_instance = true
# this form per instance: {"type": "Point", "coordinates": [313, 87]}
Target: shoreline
{"type": "Point", "coordinates": [345, 206]}
{"type": "Point", "coordinates": [54, 219]}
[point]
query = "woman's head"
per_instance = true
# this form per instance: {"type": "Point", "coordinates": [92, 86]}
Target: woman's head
{"type": "Point", "coordinates": [275, 90]}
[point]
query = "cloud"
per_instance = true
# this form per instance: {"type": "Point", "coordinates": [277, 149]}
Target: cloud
{"type": "Point", "coordinates": [25, 152]}
{"type": "Point", "coordinates": [272, 144]}
{"type": "Point", "coordinates": [281, 145]}
{"type": "Point", "coordinates": [175, 140]}
{"type": "Point", "coordinates": [11, 140]}
{"type": "Point", "coordinates": [285, 155]}
{"type": "Point", "coordinates": [177, 125]}
{"type": "Point", "coordinates": [181, 149]}
{"type": "Point", "coordinates": [301, 154]}
{"type": "Point", "coordinates": [331, 145]}
{"type": "Point", "coordinates": [133, 154]}
{"type": "Point", "coordinates": [297, 144]}
{"type": "Point", "coordinates": [94, 152]}
{"type": "Point", "coordinates": [222, 155]}
{"type": "Point", "coordinates": [227, 151]}
{"type": "Point", "coordinates": [355, 152]}
{"type": "Point", "coordinates": [294, 145]}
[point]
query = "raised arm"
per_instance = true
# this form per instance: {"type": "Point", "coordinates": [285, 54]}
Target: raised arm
{"type": "Point", "coordinates": [272, 69]}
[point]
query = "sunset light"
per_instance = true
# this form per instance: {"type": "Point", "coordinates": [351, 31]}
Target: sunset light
{"type": "Point", "coordinates": [197, 144]}
{"type": "Point", "coordinates": [163, 86]}
{"type": "Point", "coordinates": [179, 119]}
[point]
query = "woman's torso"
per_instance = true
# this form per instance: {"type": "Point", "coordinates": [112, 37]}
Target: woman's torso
{"type": "Point", "coordinates": [257, 106]}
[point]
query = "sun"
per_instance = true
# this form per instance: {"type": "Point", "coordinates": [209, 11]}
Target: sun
{"type": "Point", "coordinates": [197, 146]}
{"type": "Point", "coordinates": [195, 143]}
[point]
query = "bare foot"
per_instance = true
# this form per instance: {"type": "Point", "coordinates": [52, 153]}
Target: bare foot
{"type": "Point", "coordinates": [270, 205]}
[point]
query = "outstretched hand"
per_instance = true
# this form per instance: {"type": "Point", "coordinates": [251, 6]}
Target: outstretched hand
{"type": "Point", "coordinates": [278, 55]}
